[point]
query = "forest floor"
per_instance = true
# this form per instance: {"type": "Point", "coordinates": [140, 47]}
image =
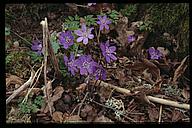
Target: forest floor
{"type": "Point", "coordinates": [137, 89]}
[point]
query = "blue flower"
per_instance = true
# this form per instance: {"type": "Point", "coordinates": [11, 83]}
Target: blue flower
{"type": "Point", "coordinates": [71, 63]}
{"type": "Point", "coordinates": [85, 64]}
{"type": "Point", "coordinates": [84, 34]}
{"type": "Point", "coordinates": [154, 54]}
{"type": "Point", "coordinates": [103, 22]}
{"type": "Point", "coordinates": [108, 52]}
{"type": "Point", "coordinates": [66, 39]}
{"type": "Point", "coordinates": [37, 47]}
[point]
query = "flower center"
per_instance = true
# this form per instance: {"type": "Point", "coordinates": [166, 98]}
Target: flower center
{"type": "Point", "coordinates": [107, 50]}
{"type": "Point", "coordinates": [67, 39]}
{"type": "Point", "coordinates": [86, 64]}
{"type": "Point", "coordinates": [103, 21]}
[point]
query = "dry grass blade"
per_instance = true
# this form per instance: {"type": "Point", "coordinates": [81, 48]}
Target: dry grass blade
{"type": "Point", "coordinates": [181, 69]}
{"type": "Point", "coordinates": [20, 89]}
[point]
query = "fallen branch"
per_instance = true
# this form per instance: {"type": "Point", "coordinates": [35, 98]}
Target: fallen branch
{"type": "Point", "coordinates": [169, 102]}
{"type": "Point", "coordinates": [20, 89]}
{"type": "Point", "coordinates": [150, 98]}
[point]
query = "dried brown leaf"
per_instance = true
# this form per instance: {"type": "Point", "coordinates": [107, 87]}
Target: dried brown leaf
{"type": "Point", "coordinates": [58, 91]}
{"type": "Point", "coordinates": [81, 87]}
{"type": "Point", "coordinates": [164, 51]}
{"type": "Point", "coordinates": [57, 116]}
{"type": "Point", "coordinates": [181, 69]}
{"type": "Point", "coordinates": [153, 69]}
{"type": "Point", "coordinates": [13, 79]}
{"type": "Point", "coordinates": [153, 114]}
{"type": "Point", "coordinates": [147, 76]}
{"type": "Point", "coordinates": [74, 118]}
{"type": "Point", "coordinates": [176, 116]}
{"type": "Point", "coordinates": [186, 93]}
{"type": "Point", "coordinates": [102, 119]}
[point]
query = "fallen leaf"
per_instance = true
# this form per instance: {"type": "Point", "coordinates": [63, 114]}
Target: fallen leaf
{"type": "Point", "coordinates": [58, 91]}
{"type": "Point", "coordinates": [81, 87]}
{"type": "Point", "coordinates": [54, 96]}
{"type": "Point", "coordinates": [147, 76]}
{"type": "Point", "coordinates": [57, 116]}
{"type": "Point", "coordinates": [164, 51]}
{"type": "Point", "coordinates": [186, 93]}
{"type": "Point", "coordinates": [74, 118]}
{"type": "Point", "coordinates": [153, 114]}
{"type": "Point", "coordinates": [181, 69]}
{"type": "Point", "coordinates": [13, 79]}
{"type": "Point", "coordinates": [153, 69]}
{"type": "Point", "coordinates": [176, 116]}
{"type": "Point", "coordinates": [102, 119]}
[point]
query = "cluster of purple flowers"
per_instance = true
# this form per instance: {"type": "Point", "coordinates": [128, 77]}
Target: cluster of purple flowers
{"type": "Point", "coordinates": [154, 54]}
{"type": "Point", "coordinates": [85, 65]}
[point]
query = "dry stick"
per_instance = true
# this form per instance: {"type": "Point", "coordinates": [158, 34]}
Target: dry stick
{"type": "Point", "coordinates": [45, 51]}
{"type": "Point", "coordinates": [38, 73]}
{"type": "Point", "coordinates": [160, 113]}
{"type": "Point", "coordinates": [53, 57]}
{"type": "Point", "coordinates": [81, 104]}
{"type": "Point", "coordinates": [20, 89]}
{"type": "Point", "coordinates": [169, 102]}
{"type": "Point", "coordinates": [21, 37]}
{"type": "Point", "coordinates": [153, 99]}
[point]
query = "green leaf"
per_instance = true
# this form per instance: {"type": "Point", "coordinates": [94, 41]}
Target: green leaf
{"type": "Point", "coordinates": [54, 43]}
{"type": "Point", "coordinates": [7, 31]}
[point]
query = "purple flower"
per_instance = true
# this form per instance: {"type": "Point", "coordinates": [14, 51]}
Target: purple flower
{"type": "Point", "coordinates": [37, 47]}
{"type": "Point", "coordinates": [90, 4]}
{"type": "Point", "coordinates": [154, 54]}
{"type": "Point", "coordinates": [85, 64]}
{"type": "Point", "coordinates": [131, 38]}
{"type": "Point", "coordinates": [99, 72]}
{"type": "Point", "coordinates": [71, 64]}
{"type": "Point", "coordinates": [84, 34]}
{"type": "Point", "coordinates": [103, 22]}
{"type": "Point", "coordinates": [66, 39]}
{"type": "Point", "coordinates": [108, 51]}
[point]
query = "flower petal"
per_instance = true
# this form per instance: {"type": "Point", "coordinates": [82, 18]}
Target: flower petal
{"type": "Point", "coordinates": [113, 57]}
{"type": "Point", "coordinates": [83, 27]}
{"type": "Point", "coordinates": [85, 41]}
{"type": "Point", "coordinates": [90, 36]}
{"type": "Point", "coordinates": [78, 32]}
{"type": "Point", "coordinates": [101, 27]}
{"type": "Point", "coordinates": [106, 27]}
{"type": "Point", "coordinates": [107, 59]}
{"type": "Point", "coordinates": [80, 39]}
{"type": "Point", "coordinates": [83, 71]}
{"type": "Point", "coordinates": [112, 48]}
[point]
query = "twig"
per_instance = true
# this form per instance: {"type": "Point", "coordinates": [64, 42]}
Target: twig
{"type": "Point", "coordinates": [45, 50]}
{"type": "Point", "coordinates": [38, 73]}
{"type": "Point", "coordinates": [21, 37]}
{"type": "Point", "coordinates": [82, 103]}
{"type": "Point", "coordinates": [153, 99]}
{"type": "Point", "coordinates": [20, 89]}
{"type": "Point", "coordinates": [168, 102]}
{"type": "Point", "coordinates": [160, 113]}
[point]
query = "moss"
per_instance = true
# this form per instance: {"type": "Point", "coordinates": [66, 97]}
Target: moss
{"type": "Point", "coordinates": [172, 18]}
